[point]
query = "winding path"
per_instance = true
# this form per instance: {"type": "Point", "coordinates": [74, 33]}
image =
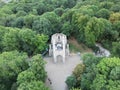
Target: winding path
{"type": "Point", "coordinates": [58, 72]}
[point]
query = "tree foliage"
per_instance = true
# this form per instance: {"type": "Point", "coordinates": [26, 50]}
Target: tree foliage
{"type": "Point", "coordinates": [114, 17]}
{"type": "Point", "coordinates": [34, 85]}
{"type": "Point", "coordinates": [116, 49]}
{"type": "Point", "coordinates": [11, 64]}
{"type": "Point", "coordinates": [103, 13]}
{"type": "Point", "coordinates": [71, 81]}
{"type": "Point", "coordinates": [24, 40]}
{"type": "Point", "coordinates": [26, 76]}
{"type": "Point", "coordinates": [26, 26]}
{"type": "Point", "coordinates": [93, 29]}
{"type": "Point", "coordinates": [34, 76]}
{"type": "Point", "coordinates": [37, 66]}
{"type": "Point", "coordinates": [78, 71]}
{"type": "Point", "coordinates": [64, 16]}
{"type": "Point", "coordinates": [75, 89]}
{"type": "Point", "coordinates": [90, 62]}
{"type": "Point", "coordinates": [105, 79]}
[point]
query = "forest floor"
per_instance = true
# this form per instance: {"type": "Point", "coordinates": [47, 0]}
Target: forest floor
{"type": "Point", "coordinates": [58, 72]}
{"type": "Point", "coordinates": [78, 47]}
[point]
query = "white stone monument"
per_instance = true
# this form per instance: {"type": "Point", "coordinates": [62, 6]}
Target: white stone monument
{"type": "Point", "coordinates": [58, 46]}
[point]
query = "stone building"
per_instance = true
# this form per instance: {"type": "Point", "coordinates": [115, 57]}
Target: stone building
{"type": "Point", "coordinates": [59, 46]}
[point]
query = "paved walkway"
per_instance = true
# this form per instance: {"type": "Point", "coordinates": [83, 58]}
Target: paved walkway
{"type": "Point", "coordinates": [58, 72]}
{"type": "Point", "coordinates": [103, 52]}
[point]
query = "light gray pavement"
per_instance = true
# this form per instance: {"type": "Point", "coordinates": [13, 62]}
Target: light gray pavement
{"type": "Point", "coordinates": [104, 52]}
{"type": "Point", "coordinates": [58, 72]}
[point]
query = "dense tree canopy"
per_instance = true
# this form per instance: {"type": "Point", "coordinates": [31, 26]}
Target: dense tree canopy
{"type": "Point", "coordinates": [34, 77]}
{"type": "Point", "coordinates": [83, 19]}
{"type": "Point", "coordinates": [108, 75]}
{"type": "Point", "coordinates": [11, 64]}
{"type": "Point", "coordinates": [24, 40]}
{"type": "Point", "coordinates": [34, 85]}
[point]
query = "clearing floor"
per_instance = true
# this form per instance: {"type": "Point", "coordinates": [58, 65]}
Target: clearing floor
{"type": "Point", "coordinates": [78, 47]}
{"type": "Point", "coordinates": [58, 72]}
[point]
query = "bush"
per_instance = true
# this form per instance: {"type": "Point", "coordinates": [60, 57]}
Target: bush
{"type": "Point", "coordinates": [71, 81]}
{"type": "Point", "coordinates": [78, 71]}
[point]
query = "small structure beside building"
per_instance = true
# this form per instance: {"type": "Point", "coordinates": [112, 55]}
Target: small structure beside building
{"type": "Point", "coordinates": [59, 46]}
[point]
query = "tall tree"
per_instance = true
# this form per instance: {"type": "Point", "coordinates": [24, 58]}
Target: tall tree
{"type": "Point", "coordinates": [11, 64]}
{"type": "Point", "coordinates": [105, 79]}
{"type": "Point", "coordinates": [42, 26]}
{"type": "Point", "coordinates": [93, 29]}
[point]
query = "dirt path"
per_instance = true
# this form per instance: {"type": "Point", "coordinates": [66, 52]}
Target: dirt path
{"type": "Point", "coordinates": [58, 72]}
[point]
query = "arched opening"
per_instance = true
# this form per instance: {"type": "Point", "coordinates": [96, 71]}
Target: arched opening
{"type": "Point", "coordinates": [59, 59]}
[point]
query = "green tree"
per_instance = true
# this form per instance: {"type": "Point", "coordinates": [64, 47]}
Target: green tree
{"type": "Point", "coordinates": [34, 85]}
{"type": "Point", "coordinates": [19, 22]}
{"type": "Point", "coordinates": [78, 71]}
{"type": "Point", "coordinates": [103, 13]}
{"type": "Point", "coordinates": [21, 13]}
{"type": "Point", "coordinates": [17, 7]}
{"type": "Point", "coordinates": [70, 3]}
{"type": "Point", "coordinates": [54, 21]}
{"type": "Point", "coordinates": [86, 10]}
{"type": "Point", "coordinates": [90, 62]}
{"type": "Point", "coordinates": [106, 4]}
{"type": "Point", "coordinates": [59, 11]}
{"type": "Point", "coordinates": [59, 3]}
{"type": "Point", "coordinates": [115, 8]}
{"type": "Point", "coordinates": [28, 20]}
{"type": "Point", "coordinates": [79, 22]}
{"type": "Point", "coordinates": [24, 40]}
{"type": "Point", "coordinates": [37, 66]}
{"type": "Point", "coordinates": [26, 76]}
{"type": "Point", "coordinates": [42, 26]}
{"type": "Point", "coordinates": [108, 33]}
{"type": "Point", "coordinates": [67, 29]}
{"type": "Point", "coordinates": [116, 49]}
{"type": "Point", "coordinates": [94, 28]}
{"type": "Point", "coordinates": [34, 76]}
{"type": "Point", "coordinates": [9, 20]}
{"type": "Point", "coordinates": [75, 89]}
{"type": "Point", "coordinates": [114, 17]}
{"type": "Point", "coordinates": [2, 32]}
{"type": "Point", "coordinates": [71, 81]}
{"type": "Point", "coordinates": [104, 78]}
{"type": "Point", "coordinates": [11, 64]}
{"type": "Point", "coordinates": [41, 8]}
{"type": "Point", "coordinates": [10, 39]}
{"type": "Point", "coordinates": [116, 26]}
